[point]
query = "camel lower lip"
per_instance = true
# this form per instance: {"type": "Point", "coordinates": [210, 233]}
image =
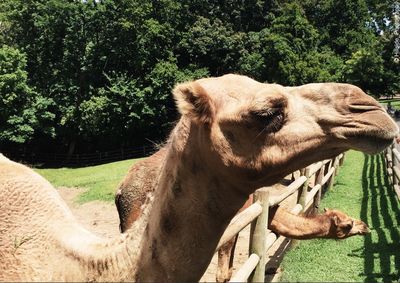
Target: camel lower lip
{"type": "Point", "coordinates": [380, 139]}
{"type": "Point", "coordinates": [372, 144]}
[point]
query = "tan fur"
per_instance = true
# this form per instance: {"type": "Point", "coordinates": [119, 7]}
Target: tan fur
{"type": "Point", "coordinates": [134, 189]}
{"type": "Point", "coordinates": [193, 101]}
{"type": "Point", "coordinates": [211, 167]}
{"type": "Point", "coordinates": [258, 133]}
{"type": "Point", "coordinates": [333, 224]}
{"type": "Point", "coordinates": [41, 240]}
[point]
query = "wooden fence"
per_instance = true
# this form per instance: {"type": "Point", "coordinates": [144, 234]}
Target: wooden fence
{"type": "Point", "coordinates": [392, 157]}
{"type": "Point", "coordinates": [308, 185]}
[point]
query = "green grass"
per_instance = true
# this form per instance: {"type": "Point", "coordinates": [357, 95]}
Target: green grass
{"type": "Point", "coordinates": [385, 101]}
{"type": "Point", "coordinates": [362, 190]}
{"type": "Point", "coordinates": [394, 102]}
{"type": "Point", "coordinates": [99, 181]}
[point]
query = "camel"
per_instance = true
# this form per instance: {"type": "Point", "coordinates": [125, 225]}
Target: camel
{"type": "Point", "coordinates": [139, 183]}
{"type": "Point", "coordinates": [136, 187]}
{"type": "Point", "coordinates": [40, 240]}
{"type": "Point", "coordinates": [234, 135]}
{"type": "Point", "coordinates": [332, 224]}
{"type": "Point", "coordinates": [131, 196]}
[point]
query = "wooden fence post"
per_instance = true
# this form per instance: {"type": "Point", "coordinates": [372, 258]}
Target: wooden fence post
{"type": "Point", "coordinates": [389, 164]}
{"type": "Point", "coordinates": [258, 234]}
{"type": "Point", "coordinates": [304, 189]}
{"type": "Point", "coordinates": [336, 164]}
{"type": "Point", "coordinates": [318, 181]}
{"type": "Point", "coordinates": [394, 179]}
{"type": "Point", "coordinates": [341, 161]}
{"type": "Point", "coordinates": [332, 178]}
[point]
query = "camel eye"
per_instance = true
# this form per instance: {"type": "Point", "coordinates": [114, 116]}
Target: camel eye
{"type": "Point", "coordinates": [271, 119]}
{"type": "Point", "coordinates": [348, 226]}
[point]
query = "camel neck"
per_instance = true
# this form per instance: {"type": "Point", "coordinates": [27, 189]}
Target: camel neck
{"type": "Point", "coordinates": [97, 258]}
{"type": "Point", "coordinates": [300, 227]}
{"type": "Point", "coordinates": [191, 209]}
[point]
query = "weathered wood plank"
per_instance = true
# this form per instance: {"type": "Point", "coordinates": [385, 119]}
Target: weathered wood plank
{"type": "Point", "coordinates": [258, 235]}
{"type": "Point", "coordinates": [311, 194]}
{"type": "Point", "coordinates": [247, 268]}
{"type": "Point", "coordinates": [240, 221]}
{"type": "Point", "coordinates": [327, 176]}
{"type": "Point", "coordinates": [293, 187]}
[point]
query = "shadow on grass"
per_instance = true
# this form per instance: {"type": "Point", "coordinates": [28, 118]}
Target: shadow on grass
{"type": "Point", "coordinates": [380, 210]}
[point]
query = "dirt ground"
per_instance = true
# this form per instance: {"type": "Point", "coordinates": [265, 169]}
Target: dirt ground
{"type": "Point", "coordinates": [98, 217]}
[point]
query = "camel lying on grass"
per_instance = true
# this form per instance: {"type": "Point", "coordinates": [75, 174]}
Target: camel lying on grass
{"type": "Point", "coordinates": [235, 135]}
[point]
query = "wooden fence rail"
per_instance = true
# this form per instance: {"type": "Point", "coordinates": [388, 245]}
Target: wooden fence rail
{"type": "Point", "coordinates": [309, 186]}
{"type": "Point", "coordinates": [392, 157]}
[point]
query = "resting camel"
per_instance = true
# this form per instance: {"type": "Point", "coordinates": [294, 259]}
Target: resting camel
{"type": "Point", "coordinates": [140, 182]}
{"type": "Point", "coordinates": [234, 136]}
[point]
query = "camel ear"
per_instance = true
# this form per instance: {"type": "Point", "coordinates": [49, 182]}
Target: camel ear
{"type": "Point", "coordinates": [336, 220]}
{"type": "Point", "coordinates": [193, 101]}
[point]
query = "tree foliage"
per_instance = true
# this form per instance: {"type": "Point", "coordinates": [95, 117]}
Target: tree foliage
{"type": "Point", "coordinates": [23, 111]}
{"type": "Point", "coordinates": [97, 74]}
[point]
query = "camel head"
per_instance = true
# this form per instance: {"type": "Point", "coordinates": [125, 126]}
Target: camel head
{"type": "Point", "coordinates": [254, 134]}
{"type": "Point", "coordinates": [344, 226]}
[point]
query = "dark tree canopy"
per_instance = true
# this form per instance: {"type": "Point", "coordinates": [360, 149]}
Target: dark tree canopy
{"type": "Point", "coordinates": [86, 75]}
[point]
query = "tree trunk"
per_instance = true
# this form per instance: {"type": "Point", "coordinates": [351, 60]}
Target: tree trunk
{"type": "Point", "coordinates": [71, 148]}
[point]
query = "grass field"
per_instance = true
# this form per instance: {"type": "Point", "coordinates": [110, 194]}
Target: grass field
{"type": "Point", "coordinates": [100, 181]}
{"type": "Point", "coordinates": [394, 102]}
{"type": "Point", "coordinates": [361, 190]}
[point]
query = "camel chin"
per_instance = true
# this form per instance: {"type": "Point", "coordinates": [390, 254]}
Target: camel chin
{"type": "Point", "coordinates": [372, 144]}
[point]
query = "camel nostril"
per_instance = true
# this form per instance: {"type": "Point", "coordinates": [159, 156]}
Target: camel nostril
{"type": "Point", "coordinates": [363, 107]}
{"type": "Point", "coordinates": [364, 230]}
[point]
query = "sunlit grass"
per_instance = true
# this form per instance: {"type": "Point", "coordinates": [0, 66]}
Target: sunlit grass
{"type": "Point", "coordinates": [100, 181]}
{"type": "Point", "coordinates": [361, 190]}
{"type": "Point", "coordinates": [394, 102]}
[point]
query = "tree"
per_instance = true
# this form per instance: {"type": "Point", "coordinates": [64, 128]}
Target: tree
{"type": "Point", "coordinates": [289, 52]}
{"type": "Point", "coordinates": [366, 69]}
{"type": "Point", "coordinates": [211, 44]}
{"type": "Point", "coordinates": [98, 74]}
{"type": "Point", "coordinates": [23, 111]}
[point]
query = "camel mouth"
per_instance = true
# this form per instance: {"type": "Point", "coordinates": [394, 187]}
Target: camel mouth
{"type": "Point", "coordinates": [363, 229]}
{"type": "Point", "coordinates": [372, 143]}
{"type": "Point", "coordinates": [364, 232]}
{"type": "Point", "coordinates": [371, 130]}
{"type": "Point", "coordinates": [359, 228]}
